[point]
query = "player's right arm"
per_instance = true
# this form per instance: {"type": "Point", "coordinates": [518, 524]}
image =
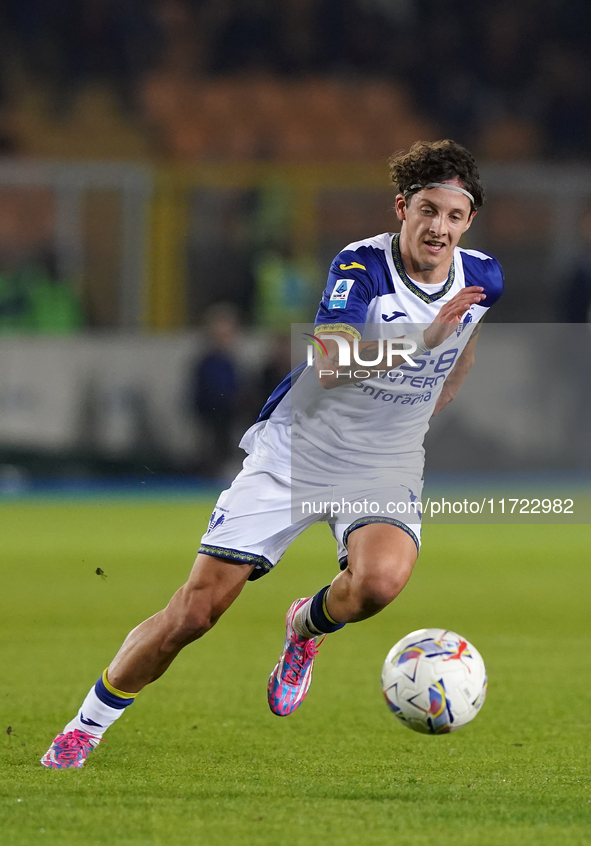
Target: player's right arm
{"type": "Point", "coordinates": [328, 369]}
{"type": "Point", "coordinates": [342, 313]}
{"type": "Point", "coordinates": [331, 373]}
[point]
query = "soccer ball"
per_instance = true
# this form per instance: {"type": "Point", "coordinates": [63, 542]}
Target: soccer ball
{"type": "Point", "coordinates": [434, 681]}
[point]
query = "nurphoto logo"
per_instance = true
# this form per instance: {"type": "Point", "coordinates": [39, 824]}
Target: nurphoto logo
{"type": "Point", "coordinates": [386, 349]}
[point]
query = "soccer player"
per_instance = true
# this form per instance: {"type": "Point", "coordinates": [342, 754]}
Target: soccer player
{"type": "Point", "coordinates": [326, 430]}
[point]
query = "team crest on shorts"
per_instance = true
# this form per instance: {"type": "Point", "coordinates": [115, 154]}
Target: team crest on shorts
{"type": "Point", "coordinates": [213, 523]}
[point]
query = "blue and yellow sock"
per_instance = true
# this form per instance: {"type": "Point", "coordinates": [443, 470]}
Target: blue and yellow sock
{"type": "Point", "coordinates": [313, 619]}
{"type": "Point", "coordinates": [103, 705]}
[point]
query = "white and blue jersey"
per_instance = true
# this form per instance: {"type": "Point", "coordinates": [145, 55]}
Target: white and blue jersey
{"type": "Point", "coordinates": [379, 421]}
{"type": "Point", "coordinates": [360, 444]}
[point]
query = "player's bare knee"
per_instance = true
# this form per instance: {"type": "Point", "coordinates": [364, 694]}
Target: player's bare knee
{"type": "Point", "coordinates": [378, 590]}
{"type": "Point", "coordinates": [375, 597]}
{"type": "Point", "coordinates": [185, 629]}
{"type": "Point", "coordinates": [189, 616]}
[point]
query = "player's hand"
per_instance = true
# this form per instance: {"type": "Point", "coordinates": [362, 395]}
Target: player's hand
{"type": "Point", "coordinates": [451, 315]}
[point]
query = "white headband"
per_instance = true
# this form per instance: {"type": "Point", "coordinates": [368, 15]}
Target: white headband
{"type": "Point", "coordinates": [444, 185]}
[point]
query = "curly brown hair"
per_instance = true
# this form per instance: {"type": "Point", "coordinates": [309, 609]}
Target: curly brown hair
{"type": "Point", "coordinates": [435, 161]}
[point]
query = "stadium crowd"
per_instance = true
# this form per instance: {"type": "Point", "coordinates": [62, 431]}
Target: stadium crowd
{"type": "Point", "coordinates": [468, 66]}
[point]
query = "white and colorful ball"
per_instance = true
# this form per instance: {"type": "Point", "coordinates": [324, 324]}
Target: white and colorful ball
{"type": "Point", "coordinates": [434, 681]}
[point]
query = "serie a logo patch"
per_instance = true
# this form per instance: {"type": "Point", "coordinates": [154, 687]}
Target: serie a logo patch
{"type": "Point", "coordinates": [340, 293]}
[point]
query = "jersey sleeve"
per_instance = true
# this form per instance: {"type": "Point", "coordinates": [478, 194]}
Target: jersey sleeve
{"type": "Point", "coordinates": [346, 298]}
{"type": "Point", "coordinates": [484, 270]}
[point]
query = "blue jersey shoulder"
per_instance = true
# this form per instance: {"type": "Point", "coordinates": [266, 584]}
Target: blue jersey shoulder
{"type": "Point", "coordinates": [368, 261]}
{"type": "Point", "coordinates": [485, 271]}
{"type": "Point", "coordinates": [357, 275]}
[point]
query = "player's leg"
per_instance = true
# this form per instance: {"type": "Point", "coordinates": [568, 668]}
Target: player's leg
{"type": "Point", "coordinates": [147, 652]}
{"type": "Point", "coordinates": [380, 560]}
{"type": "Point", "coordinates": [151, 647]}
{"type": "Point", "coordinates": [248, 532]}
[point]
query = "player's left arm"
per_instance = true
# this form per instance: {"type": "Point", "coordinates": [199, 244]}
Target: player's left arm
{"type": "Point", "coordinates": [460, 370]}
{"type": "Point", "coordinates": [479, 269]}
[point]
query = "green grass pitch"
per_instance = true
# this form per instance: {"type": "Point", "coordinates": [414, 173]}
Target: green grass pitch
{"type": "Point", "coordinates": [199, 759]}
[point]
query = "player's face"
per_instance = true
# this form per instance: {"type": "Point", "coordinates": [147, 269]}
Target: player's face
{"type": "Point", "coordinates": [434, 220]}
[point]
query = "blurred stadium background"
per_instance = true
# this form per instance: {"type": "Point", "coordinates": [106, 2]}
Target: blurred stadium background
{"type": "Point", "coordinates": [176, 175]}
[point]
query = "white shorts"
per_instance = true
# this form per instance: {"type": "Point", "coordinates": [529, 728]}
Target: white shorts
{"type": "Point", "coordinates": [257, 518]}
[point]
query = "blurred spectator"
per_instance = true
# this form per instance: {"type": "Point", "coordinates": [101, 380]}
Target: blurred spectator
{"type": "Point", "coordinates": [575, 296]}
{"type": "Point", "coordinates": [34, 299]}
{"type": "Point", "coordinates": [276, 369]}
{"type": "Point", "coordinates": [283, 290]}
{"type": "Point", "coordinates": [277, 365]}
{"type": "Point", "coordinates": [215, 388]}
{"type": "Point", "coordinates": [220, 251]}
